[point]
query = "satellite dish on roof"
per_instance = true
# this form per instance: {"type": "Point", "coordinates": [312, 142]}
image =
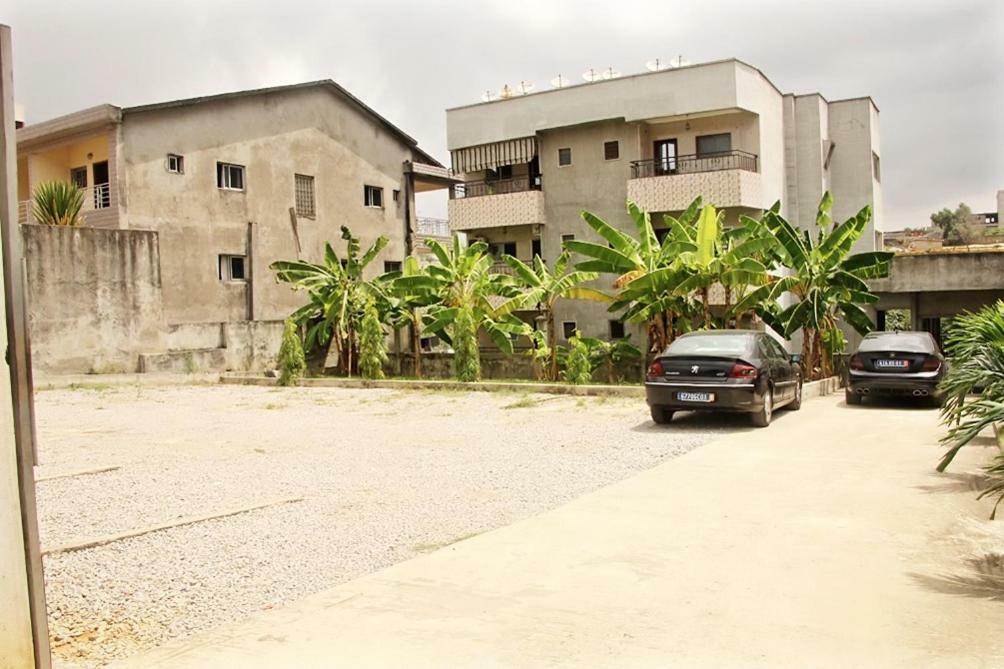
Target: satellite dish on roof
{"type": "Point", "coordinates": [524, 87]}
{"type": "Point", "coordinates": [679, 61]}
{"type": "Point", "coordinates": [487, 96]}
{"type": "Point", "coordinates": [506, 92]}
{"type": "Point", "coordinates": [559, 81]}
{"type": "Point", "coordinates": [656, 65]}
{"type": "Point", "coordinates": [592, 75]}
{"type": "Point", "coordinates": [610, 73]}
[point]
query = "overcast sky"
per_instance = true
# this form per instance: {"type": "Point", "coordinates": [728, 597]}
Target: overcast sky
{"type": "Point", "coordinates": [935, 69]}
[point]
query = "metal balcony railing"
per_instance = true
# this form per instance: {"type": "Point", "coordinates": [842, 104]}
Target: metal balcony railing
{"type": "Point", "coordinates": [432, 227]}
{"type": "Point", "coordinates": [692, 164]}
{"type": "Point", "coordinates": [98, 196]}
{"type": "Point", "coordinates": [496, 187]}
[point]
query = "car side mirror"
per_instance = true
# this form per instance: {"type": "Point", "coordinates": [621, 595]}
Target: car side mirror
{"type": "Point", "coordinates": [796, 358]}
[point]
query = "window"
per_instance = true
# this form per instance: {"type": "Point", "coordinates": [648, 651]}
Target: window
{"type": "Point", "coordinates": [395, 195]}
{"type": "Point", "coordinates": [617, 329]}
{"type": "Point", "coordinates": [175, 163]}
{"type": "Point", "coordinates": [564, 157]}
{"type": "Point", "coordinates": [876, 167]}
{"type": "Point", "coordinates": [229, 176]}
{"type": "Point", "coordinates": [373, 196]}
{"type": "Point", "coordinates": [535, 248]}
{"type": "Point", "coordinates": [232, 268]}
{"type": "Point", "coordinates": [78, 177]}
{"type": "Point", "coordinates": [711, 145]}
{"type": "Point", "coordinates": [567, 238]}
{"type": "Point", "coordinates": [304, 187]}
{"type": "Point", "coordinates": [611, 150]}
{"type": "Point", "coordinates": [509, 248]}
{"type": "Point", "coordinates": [391, 266]}
{"type": "Point", "coordinates": [568, 329]}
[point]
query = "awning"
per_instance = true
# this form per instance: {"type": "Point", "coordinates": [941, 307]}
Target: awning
{"type": "Point", "coordinates": [491, 156]}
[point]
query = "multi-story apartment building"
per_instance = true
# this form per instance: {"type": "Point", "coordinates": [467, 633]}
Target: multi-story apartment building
{"type": "Point", "coordinates": [530, 164]}
{"type": "Point", "coordinates": [231, 183]}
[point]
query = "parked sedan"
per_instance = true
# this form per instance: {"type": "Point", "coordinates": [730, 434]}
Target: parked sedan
{"type": "Point", "coordinates": [896, 363]}
{"type": "Point", "coordinates": [724, 370]}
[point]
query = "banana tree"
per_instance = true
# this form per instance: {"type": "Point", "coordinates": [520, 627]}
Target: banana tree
{"type": "Point", "coordinates": [647, 271]}
{"type": "Point", "coordinates": [723, 257]}
{"type": "Point", "coordinates": [337, 292]}
{"type": "Point", "coordinates": [463, 282]}
{"type": "Point", "coordinates": [827, 282]}
{"type": "Point", "coordinates": [407, 294]}
{"type": "Point", "coordinates": [606, 354]}
{"type": "Point", "coordinates": [542, 288]}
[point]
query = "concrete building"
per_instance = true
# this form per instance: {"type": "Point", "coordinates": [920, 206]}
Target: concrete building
{"type": "Point", "coordinates": [229, 183]}
{"type": "Point", "coordinates": [530, 164]}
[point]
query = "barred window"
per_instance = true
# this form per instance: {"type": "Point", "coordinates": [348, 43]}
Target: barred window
{"type": "Point", "coordinates": [305, 204]}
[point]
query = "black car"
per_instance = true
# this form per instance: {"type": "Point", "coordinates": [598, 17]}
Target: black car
{"type": "Point", "coordinates": [896, 363]}
{"type": "Point", "coordinates": [724, 370]}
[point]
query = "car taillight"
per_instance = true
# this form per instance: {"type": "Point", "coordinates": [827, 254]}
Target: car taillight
{"type": "Point", "coordinates": [741, 370]}
{"type": "Point", "coordinates": [655, 369]}
{"type": "Point", "coordinates": [857, 362]}
{"type": "Point", "coordinates": [931, 365]}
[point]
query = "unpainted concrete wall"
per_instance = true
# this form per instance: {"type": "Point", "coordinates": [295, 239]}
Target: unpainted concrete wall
{"type": "Point", "coordinates": [94, 297]}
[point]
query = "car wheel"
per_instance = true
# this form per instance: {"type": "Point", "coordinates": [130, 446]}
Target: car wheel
{"type": "Point", "coordinates": [762, 417]}
{"type": "Point", "coordinates": [661, 415]}
{"type": "Point", "coordinates": [796, 403]}
{"type": "Point", "coordinates": [852, 398]}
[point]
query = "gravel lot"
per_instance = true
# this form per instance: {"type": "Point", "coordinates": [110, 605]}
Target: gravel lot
{"type": "Point", "coordinates": [385, 476]}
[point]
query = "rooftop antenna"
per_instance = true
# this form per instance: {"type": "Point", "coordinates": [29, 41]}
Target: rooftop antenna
{"type": "Point", "coordinates": [592, 75]}
{"type": "Point", "coordinates": [610, 73]}
{"type": "Point", "coordinates": [487, 96]}
{"type": "Point", "coordinates": [506, 92]}
{"type": "Point", "coordinates": [560, 81]}
{"type": "Point", "coordinates": [524, 87]}
{"type": "Point", "coordinates": [679, 61]}
{"type": "Point", "coordinates": [657, 65]}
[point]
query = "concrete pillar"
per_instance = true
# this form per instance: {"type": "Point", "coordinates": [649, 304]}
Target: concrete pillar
{"type": "Point", "coordinates": [24, 640]}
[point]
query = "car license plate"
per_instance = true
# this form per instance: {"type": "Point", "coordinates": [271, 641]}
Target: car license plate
{"type": "Point", "coordinates": [696, 397]}
{"type": "Point", "coordinates": [892, 364]}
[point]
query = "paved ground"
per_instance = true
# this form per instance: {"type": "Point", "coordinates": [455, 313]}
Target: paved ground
{"type": "Point", "coordinates": [385, 476]}
{"type": "Point", "coordinates": [824, 541]}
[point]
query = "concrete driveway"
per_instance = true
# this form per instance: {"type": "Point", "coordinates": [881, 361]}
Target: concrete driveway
{"type": "Point", "coordinates": [826, 540]}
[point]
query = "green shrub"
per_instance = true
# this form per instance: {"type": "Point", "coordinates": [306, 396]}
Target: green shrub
{"type": "Point", "coordinates": [57, 203]}
{"type": "Point", "coordinates": [466, 356]}
{"type": "Point", "coordinates": [578, 366]}
{"type": "Point", "coordinates": [291, 359]}
{"type": "Point", "coordinates": [372, 344]}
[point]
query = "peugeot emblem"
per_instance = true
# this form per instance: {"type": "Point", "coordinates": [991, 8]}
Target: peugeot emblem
{"type": "Point", "coordinates": [694, 369]}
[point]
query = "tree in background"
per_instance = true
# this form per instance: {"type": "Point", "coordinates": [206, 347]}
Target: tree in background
{"type": "Point", "coordinates": [607, 354]}
{"type": "Point", "coordinates": [464, 336]}
{"type": "Point", "coordinates": [957, 226]}
{"type": "Point", "coordinates": [292, 363]}
{"type": "Point", "coordinates": [541, 290]}
{"type": "Point", "coordinates": [826, 281]}
{"type": "Point", "coordinates": [407, 296]}
{"type": "Point", "coordinates": [337, 295]}
{"type": "Point", "coordinates": [578, 367]}
{"type": "Point", "coordinates": [57, 203]}
{"type": "Point", "coordinates": [372, 343]}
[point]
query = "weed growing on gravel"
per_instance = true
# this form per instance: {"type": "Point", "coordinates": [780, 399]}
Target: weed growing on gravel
{"type": "Point", "coordinates": [525, 402]}
{"type": "Point", "coordinates": [274, 406]}
{"type": "Point", "coordinates": [100, 387]}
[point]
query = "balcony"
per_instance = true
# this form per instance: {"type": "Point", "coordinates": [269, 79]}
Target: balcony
{"type": "Point", "coordinates": [727, 179]}
{"type": "Point", "coordinates": [478, 205]}
{"type": "Point", "coordinates": [99, 209]}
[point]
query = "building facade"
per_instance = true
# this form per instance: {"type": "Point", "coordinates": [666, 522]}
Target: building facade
{"type": "Point", "coordinates": [231, 183]}
{"type": "Point", "coordinates": [531, 164]}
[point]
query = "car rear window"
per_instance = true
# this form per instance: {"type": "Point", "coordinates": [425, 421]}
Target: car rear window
{"type": "Point", "coordinates": [912, 342]}
{"type": "Point", "coordinates": [721, 344]}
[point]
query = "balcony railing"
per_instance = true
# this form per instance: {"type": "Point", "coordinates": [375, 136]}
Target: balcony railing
{"type": "Point", "coordinates": [692, 164]}
{"type": "Point", "coordinates": [96, 197]}
{"type": "Point", "coordinates": [496, 187]}
{"type": "Point", "coordinates": [432, 227]}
